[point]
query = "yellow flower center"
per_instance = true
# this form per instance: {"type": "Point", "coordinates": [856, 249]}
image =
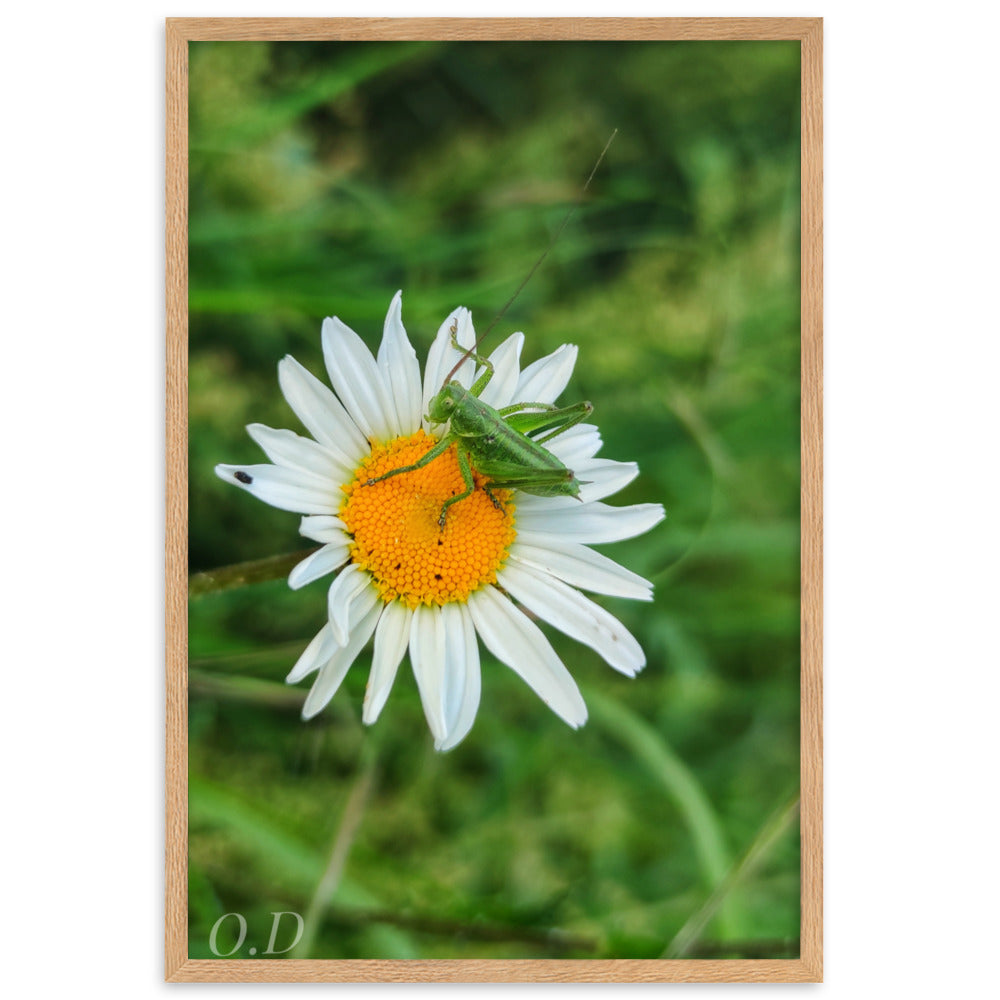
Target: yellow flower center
{"type": "Point", "coordinates": [397, 535]}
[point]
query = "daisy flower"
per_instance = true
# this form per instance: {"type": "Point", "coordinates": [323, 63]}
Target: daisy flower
{"type": "Point", "coordinates": [413, 584]}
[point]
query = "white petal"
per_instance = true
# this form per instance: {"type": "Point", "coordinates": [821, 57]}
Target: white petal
{"type": "Point", "coordinates": [582, 567]}
{"type": "Point", "coordinates": [437, 358]}
{"type": "Point", "coordinates": [391, 639]}
{"type": "Point", "coordinates": [591, 524]}
{"type": "Point", "coordinates": [286, 489]}
{"type": "Point", "coordinates": [321, 412]}
{"type": "Point", "coordinates": [506, 361]}
{"type": "Point", "coordinates": [466, 337]}
{"type": "Point", "coordinates": [321, 562]}
{"type": "Point", "coordinates": [599, 478]}
{"type": "Point", "coordinates": [442, 357]}
{"type": "Point", "coordinates": [323, 528]}
{"type": "Point", "coordinates": [350, 596]}
{"type": "Point", "coordinates": [319, 650]}
{"type": "Point", "coordinates": [427, 653]}
{"type": "Point", "coordinates": [515, 640]}
{"type": "Point", "coordinates": [400, 369]}
{"type": "Point", "coordinates": [356, 377]}
{"type": "Point", "coordinates": [576, 445]}
{"type": "Point", "coordinates": [331, 675]}
{"type": "Point", "coordinates": [467, 661]}
{"type": "Point", "coordinates": [453, 674]}
{"type": "Point", "coordinates": [574, 615]}
{"type": "Point", "coordinates": [544, 380]}
{"type": "Point", "coordinates": [288, 449]}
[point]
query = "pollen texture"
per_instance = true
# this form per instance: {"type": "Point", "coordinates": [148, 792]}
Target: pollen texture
{"type": "Point", "coordinates": [396, 531]}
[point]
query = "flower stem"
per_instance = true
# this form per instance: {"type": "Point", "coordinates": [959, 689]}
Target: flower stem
{"type": "Point", "coordinates": [245, 573]}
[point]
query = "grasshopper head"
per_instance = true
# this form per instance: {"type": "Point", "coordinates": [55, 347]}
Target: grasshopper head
{"type": "Point", "coordinates": [441, 407]}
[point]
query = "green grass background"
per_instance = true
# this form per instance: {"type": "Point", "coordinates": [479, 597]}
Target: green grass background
{"type": "Point", "coordinates": [323, 177]}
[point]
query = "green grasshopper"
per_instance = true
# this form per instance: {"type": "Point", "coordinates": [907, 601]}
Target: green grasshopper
{"type": "Point", "coordinates": [496, 442]}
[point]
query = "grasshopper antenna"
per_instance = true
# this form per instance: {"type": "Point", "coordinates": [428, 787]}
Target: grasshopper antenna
{"type": "Point", "coordinates": [538, 263]}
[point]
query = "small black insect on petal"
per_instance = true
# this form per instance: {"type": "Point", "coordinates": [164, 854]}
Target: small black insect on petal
{"type": "Point", "coordinates": [243, 477]}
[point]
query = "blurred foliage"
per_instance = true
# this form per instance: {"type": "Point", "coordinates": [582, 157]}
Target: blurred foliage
{"type": "Point", "coordinates": [325, 176]}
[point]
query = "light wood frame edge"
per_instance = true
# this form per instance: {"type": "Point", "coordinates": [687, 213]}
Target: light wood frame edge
{"type": "Point", "coordinates": [807, 968]}
{"type": "Point", "coordinates": [175, 554]}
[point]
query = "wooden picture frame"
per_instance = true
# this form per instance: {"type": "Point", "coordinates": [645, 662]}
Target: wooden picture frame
{"type": "Point", "coordinates": [806, 968]}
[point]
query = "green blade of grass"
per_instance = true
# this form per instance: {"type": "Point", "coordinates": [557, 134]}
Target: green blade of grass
{"type": "Point", "coordinates": [677, 779]}
{"type": "Point", "coordinates": [284, 854]}
{"type": "Point", "coordinates": [768, 837]}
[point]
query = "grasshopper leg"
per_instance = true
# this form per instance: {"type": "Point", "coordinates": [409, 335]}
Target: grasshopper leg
{"type": "Point", "coordinates": [466, 469]}
{"type": "Point", "coordinates": [552, 419]}
{"type": "Point", "coordinates": [494, 499]}
{"type": "Point", "coordinates": [483, 379]}
{"type": "Point", "coordinates": [439, 449]}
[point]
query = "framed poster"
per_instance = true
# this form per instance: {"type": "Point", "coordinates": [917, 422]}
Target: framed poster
{"type": "Point", "coordinates": [549, 603]}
